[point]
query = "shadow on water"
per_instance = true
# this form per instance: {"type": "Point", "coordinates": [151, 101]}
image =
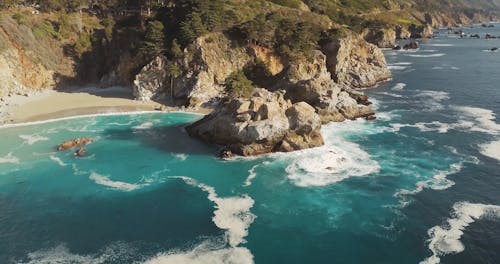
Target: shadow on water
{"type": "Point", "coordinates": [172, 139]}
{"type": "Point", "coordinates": [149, 220]}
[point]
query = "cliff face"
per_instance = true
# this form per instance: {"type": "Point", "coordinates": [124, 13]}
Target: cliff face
{"type": "Point", "coordinates": [355, 63]}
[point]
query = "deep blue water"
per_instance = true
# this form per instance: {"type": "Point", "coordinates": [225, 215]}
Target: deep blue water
{"type": "Point", "coordinates": [419, 184]}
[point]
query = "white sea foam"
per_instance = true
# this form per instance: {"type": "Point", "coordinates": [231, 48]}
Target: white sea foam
{"type": "Point", "coordinates": [252, 174]}
{"type": "Point", "coordinates": [436, 95]}
{"type": "Point", "coordinates": [233, 215]}
{"type": "Point", "coordinates": [58, 161]}
{"type": "Point", "coordinates": [118, 185]}
{"type": "Point", "coordinates": [181, 156]}
{"type": "Point", "coordinates": [206, 253]}
{"type": "Point", "coordinates": [399, 86]}
{"type": "Point", "coordinates": [9, 158]}
{"type": "Point", "coordinates": [440, 45]}
{"type": "Point", "coordinates": [402, 63]}
{"type": "Point", "coordinates": [445, 239]}
{"type": "Point", "coordinates": [491, 149]}
{"type": "Point", "coordinates": [337, 160]}
{"type": "Point", "coordinates": [396, 67]}
{"type": "Point", "coordinates": [145, 125]}
{"type": "Point", "coordinates": [484, 119]}
{"type": "Point", "coordinates": [437, 182]}
{"type": "Point", "coordinates": [425, 55]}
{"type": "Point", "coordinates": [62, 255]}
{"type": "Point", "coordinates": [392, 95]}
{"type": "Point", "coordinates": [120, 124]}
{"type": "Point", "coordinates": [32, 139]}
{"type": "Point", "coordinates": [437, 68]}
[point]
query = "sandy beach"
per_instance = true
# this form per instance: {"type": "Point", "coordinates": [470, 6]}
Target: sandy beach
{"type": "Point", "coordinates": [51, 104]}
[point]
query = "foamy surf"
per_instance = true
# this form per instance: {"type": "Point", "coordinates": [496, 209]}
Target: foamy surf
{"type": "Point", "coordinates": [445, 239]}
{"type": "Point", "coordinates": [231, 214]}
{"type": "Point", "coordinates": [32, 139]}
{"type": "Point", "coordinates": [398, 86]}
{"type": "Point", "coordinates": [491, 149]}
{"type": "Point", "coordinates": [145, 125]}
{"type": "Point", "coordinates": [117, 185]}
{"type": "Point", "coordinates": [58, 161]}
{"type": "Point", "coordinates": [484, 119]}
{"type": "Point", "coordinates": [9, 158]}
{"type": "Point", "coordinates": [336, 161]}
{"type": "Point", "coordinates": [425, 55]}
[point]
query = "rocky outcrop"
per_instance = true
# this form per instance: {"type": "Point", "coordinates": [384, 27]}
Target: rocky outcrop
{"type": "Point", "coordinates": [212, 59]}
{"type": "Point", "coordinates": [311, 82]}
{"type": "Point", "coordinates": [355, 63]}
{"type": "Point", "coordinates": [422, 31]}
{"type": "Point", "coordinates": [264, 123]}
{"type": "Point", "coordinates": [402, 33]}
{"type": "Point", "coordinates": [77, 142]}
{"type": "Point", "coordinates": [381, 37]}
{"type": "Point", "coordinates": [152, 80]}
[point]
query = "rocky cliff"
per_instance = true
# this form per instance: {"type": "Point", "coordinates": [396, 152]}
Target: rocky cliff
{"type": "Point", "coordinates": [355, 63]}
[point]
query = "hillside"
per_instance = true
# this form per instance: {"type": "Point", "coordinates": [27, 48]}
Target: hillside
{"type": "Point", "coordinates": [47, 44]}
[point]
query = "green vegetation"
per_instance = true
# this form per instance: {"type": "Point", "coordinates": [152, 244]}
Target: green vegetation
{"type": "Point", "coordinates": [238, 85]}
{"type": "Point", "coordinates": [45, 29]}
{"type": "Point", "coordinates": [83, 44]}
{"type": "Point", "coordinates": [154, 42]}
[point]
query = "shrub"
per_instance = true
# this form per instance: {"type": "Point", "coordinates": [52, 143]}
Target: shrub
{"type": "Point", "coordinates": [238, 85]}
{"type": "Point", "coordinates": [83, 44]}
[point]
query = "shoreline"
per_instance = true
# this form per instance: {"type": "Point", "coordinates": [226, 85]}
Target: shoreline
{"type": "Point", "coordinates": [51, 105]}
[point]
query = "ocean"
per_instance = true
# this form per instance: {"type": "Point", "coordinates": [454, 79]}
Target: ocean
{"type": "Point", "coordinates": [421, 184]}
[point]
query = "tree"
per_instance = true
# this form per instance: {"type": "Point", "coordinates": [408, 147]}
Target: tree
{"type": "Point", "coordinates": [175, 50]}
{"type": "Point", "coordinates": [192, 28]}
{"type": "Point", "coordinates": [173, 71]}
{"type": "Point", "coordinates": [154, 40]}
{"type": "Point", "coordinates": [239, 85]}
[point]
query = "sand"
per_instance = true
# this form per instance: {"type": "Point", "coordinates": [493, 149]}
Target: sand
{"type": "Point", "coordinates": [50, 104]}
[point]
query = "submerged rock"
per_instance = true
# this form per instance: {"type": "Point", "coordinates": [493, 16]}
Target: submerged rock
{"type": "Point", "coordinates": [411, 46]}
{"type": "Point", "coordinates": [80, 152]}
{"type": "Point", "coordinates": [264, 123]}
{"type": "Point", "coordinates": [77, 142]}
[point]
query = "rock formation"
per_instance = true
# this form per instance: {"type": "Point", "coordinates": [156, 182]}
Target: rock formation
{"type": "Point", "coordinates": [382, 38]}
{"type": "Point", "coordinates": [152, 80]}
{"type": "Point", "coordinates": [77, 142]}
{"type": "Point", "coordinates": [263, 123]}
{"type": "Point", "coordinates": [355, 63]}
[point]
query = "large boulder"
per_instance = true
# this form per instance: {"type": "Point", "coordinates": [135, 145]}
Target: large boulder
{"type": "Point", "coordinates": [151, 80]}
{"type": "Point", "coordinates": [263, 123]}
{"type": "Point", "coordinates": [355, 63]}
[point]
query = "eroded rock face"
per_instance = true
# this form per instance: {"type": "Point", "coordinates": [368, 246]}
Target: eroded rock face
{"type": "Point", "coordinates": [382, 38]}
{"type": "Point", "coordinates": [355, 63]}
{"type": "Point", "coordinates": [213, 59]}
{"type": "Point", "coordinates": [152, 80]}
{"type": "Point", "coordinates": [264, 123]}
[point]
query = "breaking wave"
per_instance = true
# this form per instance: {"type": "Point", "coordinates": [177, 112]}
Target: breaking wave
{"type": "Point", "coordinates": [117, 185]}
{"type": "Point", "coordinates": [32, 139]}
{"type": "Point", "coordinates": [491, 149]}
{"type": "Point", "coordinates": [231, 214]}
{"type": "Point", "coordinates": [425, 55]}
{"type": "Point", "coordinates": [58, 161]}
{"type": "Point", "coordinates": [9, 158]}
{"type": "Point", "coordinates": [445, 239]}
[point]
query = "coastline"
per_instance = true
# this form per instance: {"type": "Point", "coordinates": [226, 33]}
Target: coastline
{"type": "Point", "coordinates": [49, 105]}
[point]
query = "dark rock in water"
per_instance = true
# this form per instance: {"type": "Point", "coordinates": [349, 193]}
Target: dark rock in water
{"type": "Point", "coordinates": [226, 154]}
{"type": "Point", "coordinates": [411, 46]}
{"type": "Point", "coordinates": [371, 117]}
{"type": "Point", "coordinates": [77, 142]}
{"type": "Point", "coordinates": [494, 49]}
{"type": "Point", "coordinates": [475, 36]}
{"type": "Point", "coordinates": [360, 98]}
{"type": "Point", "coordinates": [490, 26]}
{"type": "Point", "coordinates": [80, 152]}
{"type": "Point", "coordinates": [488, 36]}
{"type": "Point", "coordinates": [484, 25]}
{"type": "Point", "coordinates": [397, 47]}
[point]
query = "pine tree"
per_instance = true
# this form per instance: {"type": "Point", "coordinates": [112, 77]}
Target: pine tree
{"type": "Point", "coordinates": [154, 41]}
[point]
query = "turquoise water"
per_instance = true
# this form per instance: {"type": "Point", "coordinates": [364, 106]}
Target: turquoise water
{"type": "Point", "coordinates": [419, 184]}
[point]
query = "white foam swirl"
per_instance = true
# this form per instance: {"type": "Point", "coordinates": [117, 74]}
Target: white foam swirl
{"type": "Point", "coordinates": [445, 239]}
{"type": "Point", "coordinates": [233, 215]}
{"type": "Point", "coordinates": [9, 158]}
{"type": "Point", "coordinates": [58, 161]}
{"type": "Point", "coordinates": [117, 185]}
{"type": "Point", "coordinates": [32, 139]}
{"type": "Point", "coordinates": [399, 86]}
{"type": "Point", "coordinates": [491, 149]}
{"type": "Point", "coordinates": [425, 55]}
